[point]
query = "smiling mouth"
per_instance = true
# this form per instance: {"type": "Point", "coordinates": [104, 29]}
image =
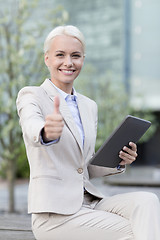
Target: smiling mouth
{"type": "Point", "coordinates": [67, 71]}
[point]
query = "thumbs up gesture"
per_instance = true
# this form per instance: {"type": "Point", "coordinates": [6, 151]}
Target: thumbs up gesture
{"type": "Point", "coordinates": [53, 123]}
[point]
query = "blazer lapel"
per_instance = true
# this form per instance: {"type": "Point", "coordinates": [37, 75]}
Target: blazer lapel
{"type": "Point", "coordinates": [84, 118]}
{"type": "Point", "coordinates": [67, 116]}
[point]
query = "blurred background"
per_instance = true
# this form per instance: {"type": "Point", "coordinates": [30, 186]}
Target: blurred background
{"type": "Point", "coordinates": [121, 73]}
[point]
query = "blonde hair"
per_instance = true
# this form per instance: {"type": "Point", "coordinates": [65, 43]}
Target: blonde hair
{"type": "Point", "coordinates": [68, 30]}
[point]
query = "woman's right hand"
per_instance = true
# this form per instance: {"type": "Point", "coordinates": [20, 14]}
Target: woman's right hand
{"type": "Point", "coordinates": [53, 123]}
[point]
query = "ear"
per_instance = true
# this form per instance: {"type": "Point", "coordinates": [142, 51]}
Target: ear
{"type": "Point", "coordinates": [46, 59]}
{"type": "Point", "coordinates": [83, 58]}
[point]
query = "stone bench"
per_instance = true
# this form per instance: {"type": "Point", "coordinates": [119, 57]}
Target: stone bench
{"type": "Point", "coordinates": [15, 227]}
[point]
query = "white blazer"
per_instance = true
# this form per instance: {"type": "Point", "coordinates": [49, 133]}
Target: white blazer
{"type": "Point", "coordinates": [58, 172]}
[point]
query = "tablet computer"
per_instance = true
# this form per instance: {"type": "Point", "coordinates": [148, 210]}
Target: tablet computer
{"type": "Point", "coordinates": [130, 130]}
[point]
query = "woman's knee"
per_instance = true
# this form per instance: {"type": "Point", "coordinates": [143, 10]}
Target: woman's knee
{"type": "Point", "coordinates": [147, 199]}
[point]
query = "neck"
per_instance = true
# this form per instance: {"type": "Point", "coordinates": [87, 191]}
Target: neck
{"type": "Point", "coordinates": [68, 88]}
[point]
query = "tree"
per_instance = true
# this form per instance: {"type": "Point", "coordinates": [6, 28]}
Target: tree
{"type": "Point", "coordinates": [21, 63]}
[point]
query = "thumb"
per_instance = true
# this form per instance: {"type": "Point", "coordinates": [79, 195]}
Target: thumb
{"type": "Point", "coordinates": [56, 104]}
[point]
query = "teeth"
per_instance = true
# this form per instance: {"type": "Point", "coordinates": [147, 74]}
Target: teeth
{"type": "Point", "coordinates": [67, 71]}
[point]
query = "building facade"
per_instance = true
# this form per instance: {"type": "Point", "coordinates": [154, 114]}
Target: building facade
{"type": "Point", "coordinates": [145, 54]}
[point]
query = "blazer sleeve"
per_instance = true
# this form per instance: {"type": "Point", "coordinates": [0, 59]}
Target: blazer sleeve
{"type": "Point", "coordinates": [30, 114]}
{"type": "Point", "coordinates": [98, 171]}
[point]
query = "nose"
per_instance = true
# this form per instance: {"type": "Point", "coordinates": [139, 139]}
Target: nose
{"type": "Point", "coordinates": [68, 61]}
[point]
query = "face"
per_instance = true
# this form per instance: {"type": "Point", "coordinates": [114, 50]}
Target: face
{"type": "Point", "coordinates": [64, 60]}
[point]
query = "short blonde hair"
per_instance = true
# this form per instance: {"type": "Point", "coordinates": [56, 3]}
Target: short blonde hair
{"type": "Point", "coordinates": [68, 30]}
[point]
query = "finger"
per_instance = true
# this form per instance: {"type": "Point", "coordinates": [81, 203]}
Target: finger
{"type": "Point", "coordinates": [51, 125]}
{"type": "Point", "coordinates": [124, 156]}
{"type": "Point", "coordinates": [133, 146]}
{"type": "Point", "coordinates": [53, 119]}
{"type": "Point", "coordinates": [129, 151]}
{"type": "Point", "coordinates": [54, 131]}
{"type": "Point", "coordinates": [56, 105]}
{"type": "Point", "coordinates": [124, 162]}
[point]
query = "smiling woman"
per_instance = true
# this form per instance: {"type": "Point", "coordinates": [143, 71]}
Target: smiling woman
{"type": "Point", "coordinates": [64, 60]}
{"type": "Point", "coordinates": [59, 128]}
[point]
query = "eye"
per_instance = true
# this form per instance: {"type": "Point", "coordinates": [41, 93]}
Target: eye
{"type": "Point", "coordinates": [59, 55]}
{"type": "Point", "coordinates": [76, 55]}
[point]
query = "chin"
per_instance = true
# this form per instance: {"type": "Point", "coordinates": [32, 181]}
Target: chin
{"type": "Point", "coordinates": [68, 81]}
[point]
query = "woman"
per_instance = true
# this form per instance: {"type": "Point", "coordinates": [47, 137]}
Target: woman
{"type": "Point", "coordinates": [59, 129]}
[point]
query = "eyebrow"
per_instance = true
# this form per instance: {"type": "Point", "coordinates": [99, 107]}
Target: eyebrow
{"type": "Point", "coordinates": [76, 52]}
{"type": "Point", "coordinates": [59, 51]}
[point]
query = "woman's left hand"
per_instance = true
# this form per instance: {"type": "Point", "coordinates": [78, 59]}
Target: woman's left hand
{"type": "Point", "coordinates": [128, 155]}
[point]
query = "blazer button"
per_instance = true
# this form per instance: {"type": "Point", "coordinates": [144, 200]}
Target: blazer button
{"type": "Point", "coordinates": [80, 170]}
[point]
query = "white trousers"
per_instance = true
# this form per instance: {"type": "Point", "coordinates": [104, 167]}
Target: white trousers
{"type": "Point", "coordinates": [129, 216]}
